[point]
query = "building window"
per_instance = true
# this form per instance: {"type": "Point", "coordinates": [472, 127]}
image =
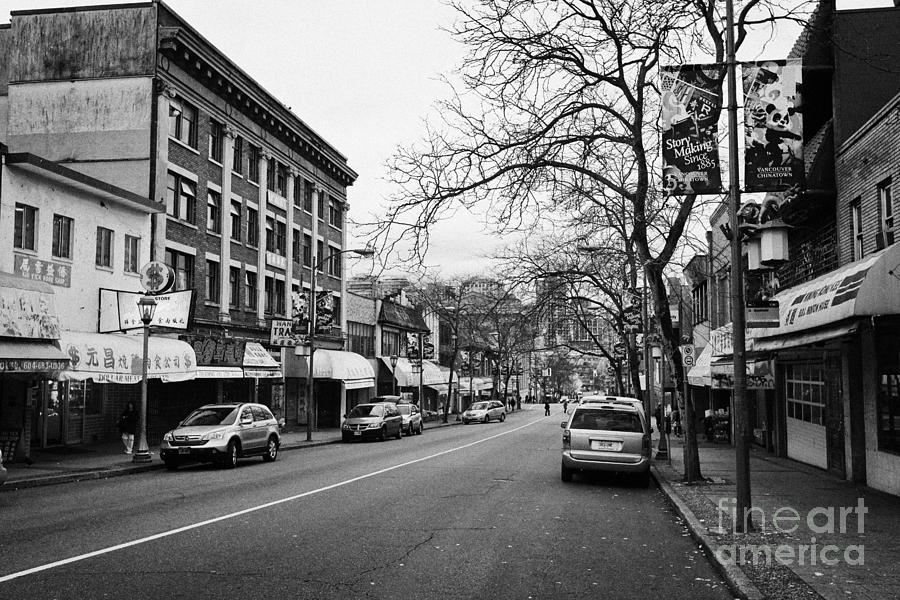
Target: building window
{"type": "Point", "coordinates": [237, 161]}
{"type": "Point", "coordinates": [104, 247]}
{"type": "Point", "coordinates": [320, 254]}
{"type": "Point", "coordinates": [270, 174]}
{"type": "Point", "coordinates": [25, 235]}
{"type": "Point", "coordinates": [269, 306]}
{"type": "Point", "coordinates": [886, 210]}
{"type": "Point", "coordinates": [390, 343]}
{"type": "Point", "coordinates": [805, 392]}
{"type": "Point", "coordinates": [183, 265]}
{"type": "Point", "coordinates": [334, 261]}
{"type": "Point", "coordinates": [334, 213]}
{"type": "Point", "coordinates": [320, 205]}
{"type": "Point", "coordinates": [309, 189]}
{"type": "Point", "coordinates": [212, 281]}
{"type": "Point", "coordinates": [236, 220]}
{"type": "Point", "coordinates": [251, 290]}
{"type": "Point", "coordinates": [307, 250]}
{"type": "Point", "coordinates": [213, 211]}
{"type": "Point", "coordinates": [279, 297]}
{"type": "Point", "coordinates": [252, 227]}
{"type": "Point", "coordinates": [183, 122]}
{"type": "Point", "coordinates": [699, 302]}
{"type": "Point", "coordinates": [298, 192]}
{"type": "Point", "coordinates": [216, 139]}
{"type": "Point", "coordinates": [280, 237]}
{"type": "Point", "coordinates": [857, 225]}
{"type": "Point", "coordinates": [361, 338]}
{"type": "Point", "coordinates": [132, 254]}
{"type": "Point", "coordinates": [281, 177]}
{"type": "Point", "coordinates": [181, 194]}
{"type": "Point", "coordinates": [270, 234]}
{"type": "Point", "coordinates": [296, 248]}
{"type": "Point", "coordinates": [234, 284]}
{"type": "Point", "coordinates": [253, 163]}
{"type": "Point", "coordinates": [62, 236]}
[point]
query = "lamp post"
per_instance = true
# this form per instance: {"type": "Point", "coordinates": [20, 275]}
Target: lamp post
{"type": "Point", "coordinates": [314, 265]}
{"type": "Point", "coordinates": [147, 306]}
{"type": "Point", "coordinates": [394, 359]}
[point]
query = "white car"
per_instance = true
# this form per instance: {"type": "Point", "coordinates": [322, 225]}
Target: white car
{"type": "Point", "coordinates": [484, 412]}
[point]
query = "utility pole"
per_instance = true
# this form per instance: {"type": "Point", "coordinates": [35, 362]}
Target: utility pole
{"type": "Point", "coordinates": [743, 521]}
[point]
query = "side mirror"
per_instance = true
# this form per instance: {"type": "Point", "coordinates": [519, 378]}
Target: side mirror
{"type": "Point", "coordinates": [563, 424]}
{"type": "Point", "coordinates": [281, 423]}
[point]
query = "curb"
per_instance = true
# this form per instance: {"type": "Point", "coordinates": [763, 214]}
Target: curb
{"type": "Point", "coordinates": [737, 580]}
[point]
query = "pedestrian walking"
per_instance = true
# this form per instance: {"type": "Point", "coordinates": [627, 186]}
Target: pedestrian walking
{"type": "Point", "coordinates": [566, 405]}
{"type": "Point", "coordinates": [519, 402]}
{"type": "Point", "coordinates": [546, 408]}
{"type": "Point", "coordinates": [657, 414]}
{"type": "Point", "coordinates": [676, 418]}
{"type": "Point", "coordinates": [128, 426]}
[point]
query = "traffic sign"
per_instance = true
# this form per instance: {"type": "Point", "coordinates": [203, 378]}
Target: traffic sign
{"type": "Point", "coordinates": [688, 356]}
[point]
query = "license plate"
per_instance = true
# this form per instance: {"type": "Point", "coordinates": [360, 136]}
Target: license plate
{"type": "Point", "coordinates": [603, 445]}
{"type": "Point", "coordinates": [184, 451]}
{"type": "Point", "coordinates": [357, 433]}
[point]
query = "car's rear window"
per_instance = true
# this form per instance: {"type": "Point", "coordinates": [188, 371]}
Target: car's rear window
{"type": "Point", "coordinates": [211, 416]}
{"type": "Point", "coordinates": [604, 419]}
{"type": "Point", "coordinates": [405, 409]}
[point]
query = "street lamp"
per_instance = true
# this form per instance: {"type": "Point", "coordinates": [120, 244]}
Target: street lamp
{"type": "Point", "coordinates": [314, 266]}
{"type": "Point", "coordinates": [394, 359]}
{"type": "Point", "coordinates": [147, 306]}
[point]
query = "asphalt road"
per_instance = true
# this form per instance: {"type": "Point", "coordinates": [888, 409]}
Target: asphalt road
{"type": "Point", "coordinates": [460, 512]}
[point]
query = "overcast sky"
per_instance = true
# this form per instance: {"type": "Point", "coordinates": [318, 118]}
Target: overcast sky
{"type": "Point", "coordinates": [362, 73]}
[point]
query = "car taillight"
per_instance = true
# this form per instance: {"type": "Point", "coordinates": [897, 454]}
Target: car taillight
{"type": "Point", "coordinates": [567, 439]}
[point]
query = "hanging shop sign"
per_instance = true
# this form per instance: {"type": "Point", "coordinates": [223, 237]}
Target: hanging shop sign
{"type": "Point", "coordinates": [773, 126]}
{"type": "Point", "coordinates": [691, 104]}
{"type": "Point", "coordinates": [762, 313]}
{"type": "Point", "coordinates": [324, 311]}
{"type": "Point", "coordinates": [27, 309]}
{"type": "Point", "coordinates": [157, 277]}
{"type": "Point", "coordinates": [119, 310]}
{"type": "Point", "coordinates": [54, 273]}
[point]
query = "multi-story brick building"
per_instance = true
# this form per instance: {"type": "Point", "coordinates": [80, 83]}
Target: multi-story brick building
{"type": "Point", "coordinates": [252, 195]}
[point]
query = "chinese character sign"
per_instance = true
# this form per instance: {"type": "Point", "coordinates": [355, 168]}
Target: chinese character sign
{"type": "Point", "coordinates": [691, 104]}
{"type": "Point", "coordinates": [43, 270]}
{"type": "Point", "coordinates": [773, 127]}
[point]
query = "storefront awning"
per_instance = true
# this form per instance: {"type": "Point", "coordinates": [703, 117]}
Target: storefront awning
{"type": "Point", "coordinates": [351, 368]}
{"type": "Point", "coordinates": [110, 358]}
{"type": "Point", "coordinates": [407, 376]}
{"type": "Point", "coordinates": [820, 308]}
{"type": "Point", "coordinates": [29, 356]}
{"type": "Point", "coordinates": [477, 384]}
{"type": "Point", "coordinates": [700, 373]}
{"type": "Point", "coordinates": [258, 363]}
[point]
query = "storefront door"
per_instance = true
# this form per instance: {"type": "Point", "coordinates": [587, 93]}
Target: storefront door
{"type": "Point", "coordinates": [834, 417]}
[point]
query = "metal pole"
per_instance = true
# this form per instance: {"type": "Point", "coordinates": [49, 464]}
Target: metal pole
{"type": "Point", "coordinates": [421, 373]}
{"type": "Point", "coordinates": [648, 389]}
{"type": "Point", "coordinates": [142, 449]}
{"type": "Point", "coordinates": [312, 343]}
{"type": "Point", "coordinates": [741, 418]}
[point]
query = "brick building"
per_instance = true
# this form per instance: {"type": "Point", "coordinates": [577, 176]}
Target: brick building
{"type": "Point", "coordinates": [252, 195]}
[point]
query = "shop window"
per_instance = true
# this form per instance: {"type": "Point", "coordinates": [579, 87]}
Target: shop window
{"type": "Point", "coordinates": [888, 409]}
{"type": "Point", "coordinates": [805, 392]}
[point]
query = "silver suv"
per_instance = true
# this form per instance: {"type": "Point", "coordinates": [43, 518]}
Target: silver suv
{"type": "Point", "coordinates": [611, 437]}
{"type": "Point", "coordinates": [223, 433]}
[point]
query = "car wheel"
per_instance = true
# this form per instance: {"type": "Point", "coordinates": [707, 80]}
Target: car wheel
{"type": "Point", "coordinates": [382, 434]}
{"type": "Point", "coordinates": [487, 418]}
{"type": "Point", "coordinates": [419, 431]}
{"type": "Point", "coordinates": [231, 455]}
{"type": "Point", "coordinates": [565, 474]}
{"type": "Point", "coordinates": [502, 417]}
{"type": "Point", "coordinates": [171, 464]}
{"type": "Point", "coordinates": [400, 432]}
{"type": "Point", "coordinates": [465, 421]}
{"type": "Point", "coordinates": [271, 450]}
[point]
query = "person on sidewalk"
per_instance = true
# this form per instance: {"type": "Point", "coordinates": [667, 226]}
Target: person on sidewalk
{"type": "Point", "coordinates": [676, 419]}
{"type": "Point", "coordinates": [566, 405]}
{"type": "Point", "coordinates": [128, 426]}
{"type": "Point", "coordinates": [546, 408]}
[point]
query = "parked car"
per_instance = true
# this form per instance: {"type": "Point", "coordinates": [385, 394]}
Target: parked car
{"type": "Point", "coordinates": [223, 433]}
{"type": "Point", "coordinates": [412, 419]}
{"type": "Point", "coordinates": [484, 412]}
{"type": "Point", "coordinates": [2, 469]}
{"type": "Point", "coordinates": [611, 436]}
{"type": "Point", "coordinates": [378, 420]}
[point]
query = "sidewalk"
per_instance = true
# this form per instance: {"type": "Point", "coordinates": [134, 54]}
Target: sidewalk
{"type": "Point", "coordinates": [51, 466]}
{"type": "Point", "coordinates": [858, 560]}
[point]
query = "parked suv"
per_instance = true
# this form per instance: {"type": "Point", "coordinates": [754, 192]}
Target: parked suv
{"type": "Point", "coordinates": [609, 436]}
{"type": "Point", "coordinates": [378, 420]}
{"type": "Point", "coordinates": [222, 433]}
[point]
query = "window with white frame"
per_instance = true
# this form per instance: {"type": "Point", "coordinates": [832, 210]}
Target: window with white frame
{"type": "Point", "coordinates": [25, 233]}
{"type": "Point", "coordinates": [181, 194]}
{"type": "Point", "coordinates": [857, 228]}
{"type": "Point", "coordinates": [235, 220]}
{"type": "Point", "coordinates": [213, 211]}
{"type": "Point", "coordinates": [183, 265]}
{"type": "Point", "coordinates": [886, 211]}
{"type": "Point", "coordinates": [334, 261]}
{"type": "Point", "coordinates": [805, 392]}
{"type": "Point", "coordinates": [183, 122]}
{"type": "Point", "coordinates": [62, 236]}
{"type": "Point", "coordinates": [335, 216]}
{"type": "Point", "coordinates": [132, 254]}
{"type": "Point", "coordinates": [104, 247]}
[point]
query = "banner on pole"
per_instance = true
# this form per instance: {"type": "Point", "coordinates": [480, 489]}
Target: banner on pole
{"type": "Point", "coordinates": [773, 126]}
{"type": "Point", "coordinates": [691, 104]}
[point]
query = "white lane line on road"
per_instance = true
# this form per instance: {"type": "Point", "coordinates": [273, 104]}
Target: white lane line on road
{"type": "Point", "coordinates": [239, 513]}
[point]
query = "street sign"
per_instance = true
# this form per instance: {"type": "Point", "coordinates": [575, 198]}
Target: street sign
{"type": "Point", "coordinates": [688, 355]}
